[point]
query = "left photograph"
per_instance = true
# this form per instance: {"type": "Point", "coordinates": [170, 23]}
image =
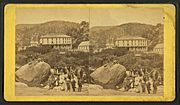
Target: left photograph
{"type": "Point", "coordinates": [52, 51]}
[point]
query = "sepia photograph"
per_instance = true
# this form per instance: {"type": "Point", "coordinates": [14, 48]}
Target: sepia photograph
{"type": "Point", "coordinates": [89, 51]}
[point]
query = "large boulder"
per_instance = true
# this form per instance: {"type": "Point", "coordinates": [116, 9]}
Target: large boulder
{"type": "Point", "coordinates": [19, 84]}
{"type": "Point", "coordinates": [34, 73]}
{"type": "Point", "coordinates": [109, 75]}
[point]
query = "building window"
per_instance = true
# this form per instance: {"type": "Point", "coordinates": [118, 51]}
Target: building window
{"type": "Point", "coordinates": [136, 42]}
{"type": "Point", "coordinates": [47, 40]}
{"type": "Point", "coordinates": [130, 43]}
{"type": "Point", "coordinates": [63, 40]}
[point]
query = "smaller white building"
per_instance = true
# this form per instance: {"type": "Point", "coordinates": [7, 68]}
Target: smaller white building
{"type": "Point", "coordinates": [21, 48]}
{"type": "Point", "coordinates": [109, 45]}
{"type": "Point", "coordinates": [159, 48]}
{"type": "Point", "coordinates": [84, 46]}
{"type": "Point", "coordinates": [33, 43]}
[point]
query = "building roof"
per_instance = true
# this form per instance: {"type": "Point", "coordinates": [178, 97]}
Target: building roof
{"type": "Point", "coordinates": [85, 43]}
{"type": "Point", "coordinates": [130, 37]}
{"type": "Point", "coordinates": [109, 44]}
{"type": "Point", "coordinates": [160, 46]}
{"type": "Point", "coordinates": [33, 41]}
{"type": "Point", "coordinates": [55, 35]}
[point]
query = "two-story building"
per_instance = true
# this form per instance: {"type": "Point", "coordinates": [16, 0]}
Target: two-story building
{"type": "Point", "coordinates": [57, 41]}
{"type": "Point", "coordinates": [132, 43]}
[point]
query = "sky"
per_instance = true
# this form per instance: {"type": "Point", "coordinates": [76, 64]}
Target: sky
{"type": "Point", "coordinates": [96, 16]}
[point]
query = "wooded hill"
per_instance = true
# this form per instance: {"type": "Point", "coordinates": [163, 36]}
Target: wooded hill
{"type": "Point", "coordinates": [98, 35]}
{"type": "Point", "coordinates": [27, 32]}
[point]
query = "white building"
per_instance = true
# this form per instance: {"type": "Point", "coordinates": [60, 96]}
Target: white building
{"type": "Point", "coordinates": [33, 43]}
{"type": "Point", "coordinates": [84, 46]}
{"type": "Point", "coordinates": [159, 48]}
{"type": "Point", "coordinates": [21, 48]}
{"type": "Point", "coordinates": [57, 41]}
{"type": "Point", "coordinates": [132, 43]}
{"type": "Point", "coordinates": [109, 45]}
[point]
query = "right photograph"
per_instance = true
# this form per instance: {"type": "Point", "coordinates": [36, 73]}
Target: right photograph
{"type": "Point", "coordinates": [126, 56]}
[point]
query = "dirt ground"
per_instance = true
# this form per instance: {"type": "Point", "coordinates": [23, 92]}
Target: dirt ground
{"type": "Point", "coordinates": [91, 90]}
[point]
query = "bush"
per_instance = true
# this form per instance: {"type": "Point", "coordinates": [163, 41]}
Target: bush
{"type": "Point", "coordinates": [115, 52]}
{"type": "Point", "coordinates": [148, 61]}
{"type": "Point", "coordinates": [40, 49]}
{"type": "Point", "coordinates": [21, 59]}
{"type": "Point", "coordinates": [95, 62]}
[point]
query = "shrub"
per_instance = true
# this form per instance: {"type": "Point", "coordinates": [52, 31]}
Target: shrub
{"type": "Point", "coordinates": [148, 61]}
{"type": "Point", "coordinates": [115, 51]}
{"type": "Point", "coordinates": [40, 49]}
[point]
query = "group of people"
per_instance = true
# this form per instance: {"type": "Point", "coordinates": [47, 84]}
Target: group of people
{"type": "Point", "coordinates": [142, 81]}
{"type": "Point", "coordinates": [66, 79]}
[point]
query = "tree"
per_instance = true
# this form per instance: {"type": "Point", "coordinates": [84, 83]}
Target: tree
{"type": "Point", "coordinates": [148, 61]}
{"type": "Point", "coordinates": [116, 51]}
{"type": "Point", "coordinates": [79, 34]}
{"type": "Point", "coordinates": [39, 49]}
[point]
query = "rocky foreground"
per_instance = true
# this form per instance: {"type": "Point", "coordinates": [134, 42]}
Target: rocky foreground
{"type": "Point", "coordinates": [87, 89]}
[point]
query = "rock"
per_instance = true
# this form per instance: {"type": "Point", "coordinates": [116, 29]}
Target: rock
{"type": "Point", "coordinates": [137, 90]}
{"type": "Point", "coordinates": [20, 84]}
{"type": "Point", "coordinates": [93, 86]}
{"type": "Point", "coordinates": [132, 90]}
{"type": "Point", "coordinates": [62, 89]}
{"type": "Point", "coordinates": [46, 87]}
{"type": "Point", "coordinates": [94, 89]}
{"type": "Point", "coordinates": [122, 89]}
{"type": "Point", "coordinates": [34, 73]}
{"type": "Point", "coordinates": [109, 76]}
{"type": "Point", "coordinates": [57, 88]}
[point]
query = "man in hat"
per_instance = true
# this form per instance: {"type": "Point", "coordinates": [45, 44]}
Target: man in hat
{"type": "Point", "coordinates": [73, 84]}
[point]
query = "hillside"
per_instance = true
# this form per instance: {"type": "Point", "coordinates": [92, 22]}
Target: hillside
{"type": "Point", "coordinates": [98, 29]}
{"type": "Point", "coordinates": [99, 36]}
{"type": "Point", "coordinates": [25, 32]}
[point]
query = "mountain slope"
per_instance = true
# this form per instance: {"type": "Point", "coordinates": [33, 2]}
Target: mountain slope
{"type": "Point", "coordinates": [26, 32]}
{"type": "Point", "coordinates": [98, 35]}
{"type": "Point", "coordinates": [153, 33]}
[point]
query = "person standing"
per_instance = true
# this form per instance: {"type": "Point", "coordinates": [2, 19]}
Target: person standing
{"type": "Point", "coordinates": [154, 86]}
{"type": "Point", "coordinates": [138, 80]}
{"type": "Point", "coordinates": [51, 81]}
{"type": "Point", "coordinates": [143, 86]}
{"type": "Point", "coordinates": [68, 84]}
{"type": "Point", "coordinates": [73, 84]}
{"type": "Point", "coordinates": [84, 77]}
{"type": "Point", "coordinates": [79, 85]}
{"type": "Point", "coordinates": [148, 86]}
{"type": "Point", "coordinates": [132, 82]}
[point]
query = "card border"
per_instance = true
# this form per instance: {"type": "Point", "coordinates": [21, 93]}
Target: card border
{"type": "Point", "coordinates": [169, 54]}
